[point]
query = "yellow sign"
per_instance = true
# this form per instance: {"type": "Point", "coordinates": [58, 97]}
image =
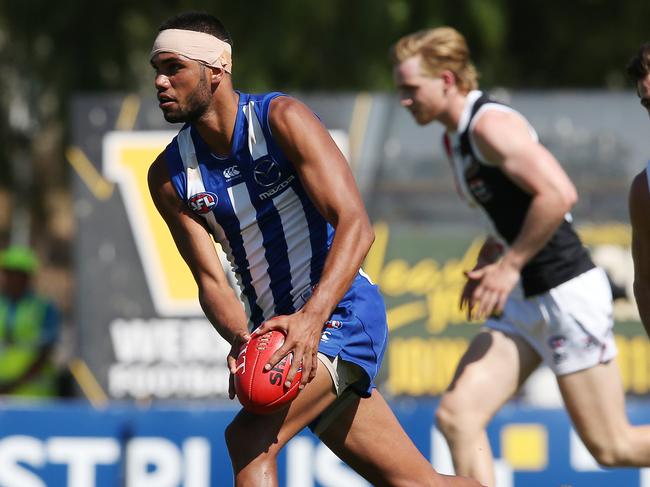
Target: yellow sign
{"type": "Point", "coordinates": [435, 287]}
{"type": "Point", "coordinates": [127, 157]}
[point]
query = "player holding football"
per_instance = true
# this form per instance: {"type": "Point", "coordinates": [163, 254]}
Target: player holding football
{"type": "Point", "coordinates": [639, 198]}
{"type": "Point", "coordinates": [543, 298]}
{"type": "Point", "coordinates": [261, 175]}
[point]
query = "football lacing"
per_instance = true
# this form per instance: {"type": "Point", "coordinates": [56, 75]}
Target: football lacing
{"type": "Point", "coordinates": [264, 341]}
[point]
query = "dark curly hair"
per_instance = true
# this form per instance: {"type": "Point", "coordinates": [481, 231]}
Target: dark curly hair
{"type": "Point", "coordinates": [199, 22]}
{"type": "Point", "coordinates": [639, 66]}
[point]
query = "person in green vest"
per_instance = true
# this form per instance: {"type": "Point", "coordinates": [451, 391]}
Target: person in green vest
{"type": "Point", "coordinates": [29, 329]}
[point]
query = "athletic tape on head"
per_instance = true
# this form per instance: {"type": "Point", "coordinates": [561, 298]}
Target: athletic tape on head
{"type": "Point", "coordinates": [199, 46]}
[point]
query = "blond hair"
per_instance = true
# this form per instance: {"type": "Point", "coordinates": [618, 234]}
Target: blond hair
{"type": "Point", "coordinates": [442, 48]}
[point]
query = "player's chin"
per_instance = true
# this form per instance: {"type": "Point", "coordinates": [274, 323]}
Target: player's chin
{"type": "Point", "coordinates": [422, 118]}
{"type": "Point", "coordinates": [173, 116]}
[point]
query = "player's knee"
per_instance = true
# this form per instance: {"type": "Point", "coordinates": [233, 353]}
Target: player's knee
{"type": "Point", "coordinates": [455, 420]}
{"type": "Point", "coordinates": [448, 418]}
{"type": "Point", "coordinates": [231, 434]}
{"type": "Point", "coordinates": [246, 445]}
{"type": "Point", "coordinates": [237, 442]}
{"type": "Point", "coordinates": [608, 452]}
{"type": "Point", "coordinates": [605, 456]}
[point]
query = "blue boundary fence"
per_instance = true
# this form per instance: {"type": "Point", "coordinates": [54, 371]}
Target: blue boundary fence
{"type": "Point", "coordinates": [181, 445]}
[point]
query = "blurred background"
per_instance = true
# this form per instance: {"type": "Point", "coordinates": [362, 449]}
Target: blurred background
{"type": "Point", "coordinates": [137, 361]}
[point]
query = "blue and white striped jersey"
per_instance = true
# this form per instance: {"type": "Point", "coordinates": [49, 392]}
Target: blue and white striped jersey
{"type": "Point", "coordinates": [256, 207]}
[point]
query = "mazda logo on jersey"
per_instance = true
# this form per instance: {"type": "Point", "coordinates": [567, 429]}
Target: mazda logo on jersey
{"type": "Point", "coordinates": [266, 172]}
{"type": "Point", "coordinates": [202, 202]}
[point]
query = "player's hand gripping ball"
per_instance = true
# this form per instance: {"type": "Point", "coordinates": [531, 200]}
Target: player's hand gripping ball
{"type": "Point", "coordinates": [263, 391]}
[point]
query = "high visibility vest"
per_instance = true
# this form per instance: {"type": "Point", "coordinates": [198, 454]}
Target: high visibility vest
{"type": "Point", "coordinates": [21, 337]}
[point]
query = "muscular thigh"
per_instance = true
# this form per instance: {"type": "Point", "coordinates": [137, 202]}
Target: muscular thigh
{"type": "Point", "coordinates": [491, 370]}
{"type": "Point", "coordinates": [595, 400]}
{"type": "Point", "coordinates": [368, 437]}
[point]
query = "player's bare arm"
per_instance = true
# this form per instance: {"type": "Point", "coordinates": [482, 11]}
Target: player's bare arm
{"type": "Point", "coordinates": [533, 168]}
{"type": "Point", "coordinates": [195, 245]}
{"type": "Point", "coordinates": [327, 178]}
{"type": "Point", "coordinates": [639, 202]}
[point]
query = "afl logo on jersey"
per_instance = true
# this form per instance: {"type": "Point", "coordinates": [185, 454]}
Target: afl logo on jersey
{"type": "Point", "coordinates": [266, 172]}
{"type": "Point", "coordinates": [203, 202]}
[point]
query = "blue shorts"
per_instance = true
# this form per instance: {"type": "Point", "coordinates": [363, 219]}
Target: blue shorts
{"type": "Point", "coordinates": [357, 331]}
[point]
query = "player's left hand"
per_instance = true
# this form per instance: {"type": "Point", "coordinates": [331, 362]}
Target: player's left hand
{"type": "Point", "coordinates": [303, 333]}
{"type": "Point", "coordinates": [235, 348]}
{"type": "Point", "coordinates": [491, 285]}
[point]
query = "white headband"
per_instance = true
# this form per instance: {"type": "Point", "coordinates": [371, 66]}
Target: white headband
{"type": "Point", "coordinates": [199, 46]}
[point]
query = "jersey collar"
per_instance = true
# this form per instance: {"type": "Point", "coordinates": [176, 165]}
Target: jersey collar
{"type": "Point", "coordinates": [471, 98]}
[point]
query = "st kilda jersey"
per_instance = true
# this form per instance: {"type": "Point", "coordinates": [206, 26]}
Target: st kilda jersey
{"type": "Point", "coordinates": [480, 182]}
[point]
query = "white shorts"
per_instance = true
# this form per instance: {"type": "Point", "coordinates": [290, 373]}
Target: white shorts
{"type": "Point", "coordinates": [344, 374]}
{"type": "Point", "coordinates": [570, 326]}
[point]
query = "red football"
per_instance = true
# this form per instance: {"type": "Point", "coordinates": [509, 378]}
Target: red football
{"type": "Point", "coordinates": [261, 391]}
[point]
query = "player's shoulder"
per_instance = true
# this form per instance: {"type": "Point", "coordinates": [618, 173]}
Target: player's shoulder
{"type": "Point", "coordinates": [283, 102]}
{"type": "Point", "coordinates": [639, 190]}
{"type": "Point", "coordinates": [495, 118]}
{"type": "Point", "coordinates": [159, 181]}
{"type": "Point", "coordinates": [158, 172]}
{"type": "Point", "coordinates": [286, 110]}
{"type": "Point", "coordinates": [493, 122]}
{"type": "Point", "coordinates": [639, 202]}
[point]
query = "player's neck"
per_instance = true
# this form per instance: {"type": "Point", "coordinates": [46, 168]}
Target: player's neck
{"type": "Point", "coordinates": [455, 107]}
{"type": "Point", "coordinates": [217, 125]}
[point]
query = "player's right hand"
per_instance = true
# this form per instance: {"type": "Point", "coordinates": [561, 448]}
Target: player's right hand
{"type": "Point", "coordinates": [302, 337]}
{"type": "Point", "coordinates": [465, 296]}
{"type": "Point", "coordinates": [491, 286]}
{"type": "Point", "coordinates": [471, 284]}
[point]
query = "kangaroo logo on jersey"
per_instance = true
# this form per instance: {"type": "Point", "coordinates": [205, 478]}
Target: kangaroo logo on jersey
{"type": "Point", "coordinates": [266, 172]}
{"type": "Point", "coordinates": [202, 202]}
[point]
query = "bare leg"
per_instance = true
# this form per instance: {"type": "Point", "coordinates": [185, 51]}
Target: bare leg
{"type": "Point", "coordinates": [490, 372]}
{"type": "Point", "coordinates": [254, 441]}
{"type": "Point", "coordinates": [595, 401]}
{"type": "Point", "coordinates": [368, 437]}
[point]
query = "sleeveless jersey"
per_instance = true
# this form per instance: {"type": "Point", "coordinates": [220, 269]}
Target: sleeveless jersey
{"type": "Point", "coordinates": [256, 207]}
{"type": "Point", "coordinates": [482, 183]}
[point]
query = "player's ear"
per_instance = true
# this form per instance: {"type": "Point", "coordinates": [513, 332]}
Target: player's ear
{"type": "Point", "coordinates": [448, 78]}
{"type": "Point", "coordinates": [216, 75]}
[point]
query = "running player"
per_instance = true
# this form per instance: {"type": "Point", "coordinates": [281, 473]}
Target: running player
{"type": "Point", "coordinates": [534, 283]}
{"type": "Point", "coordinates": [261, 175]}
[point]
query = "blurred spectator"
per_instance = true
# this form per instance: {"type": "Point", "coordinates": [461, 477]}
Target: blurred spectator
{"type": "Point", "coordinates": [29, 329]}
